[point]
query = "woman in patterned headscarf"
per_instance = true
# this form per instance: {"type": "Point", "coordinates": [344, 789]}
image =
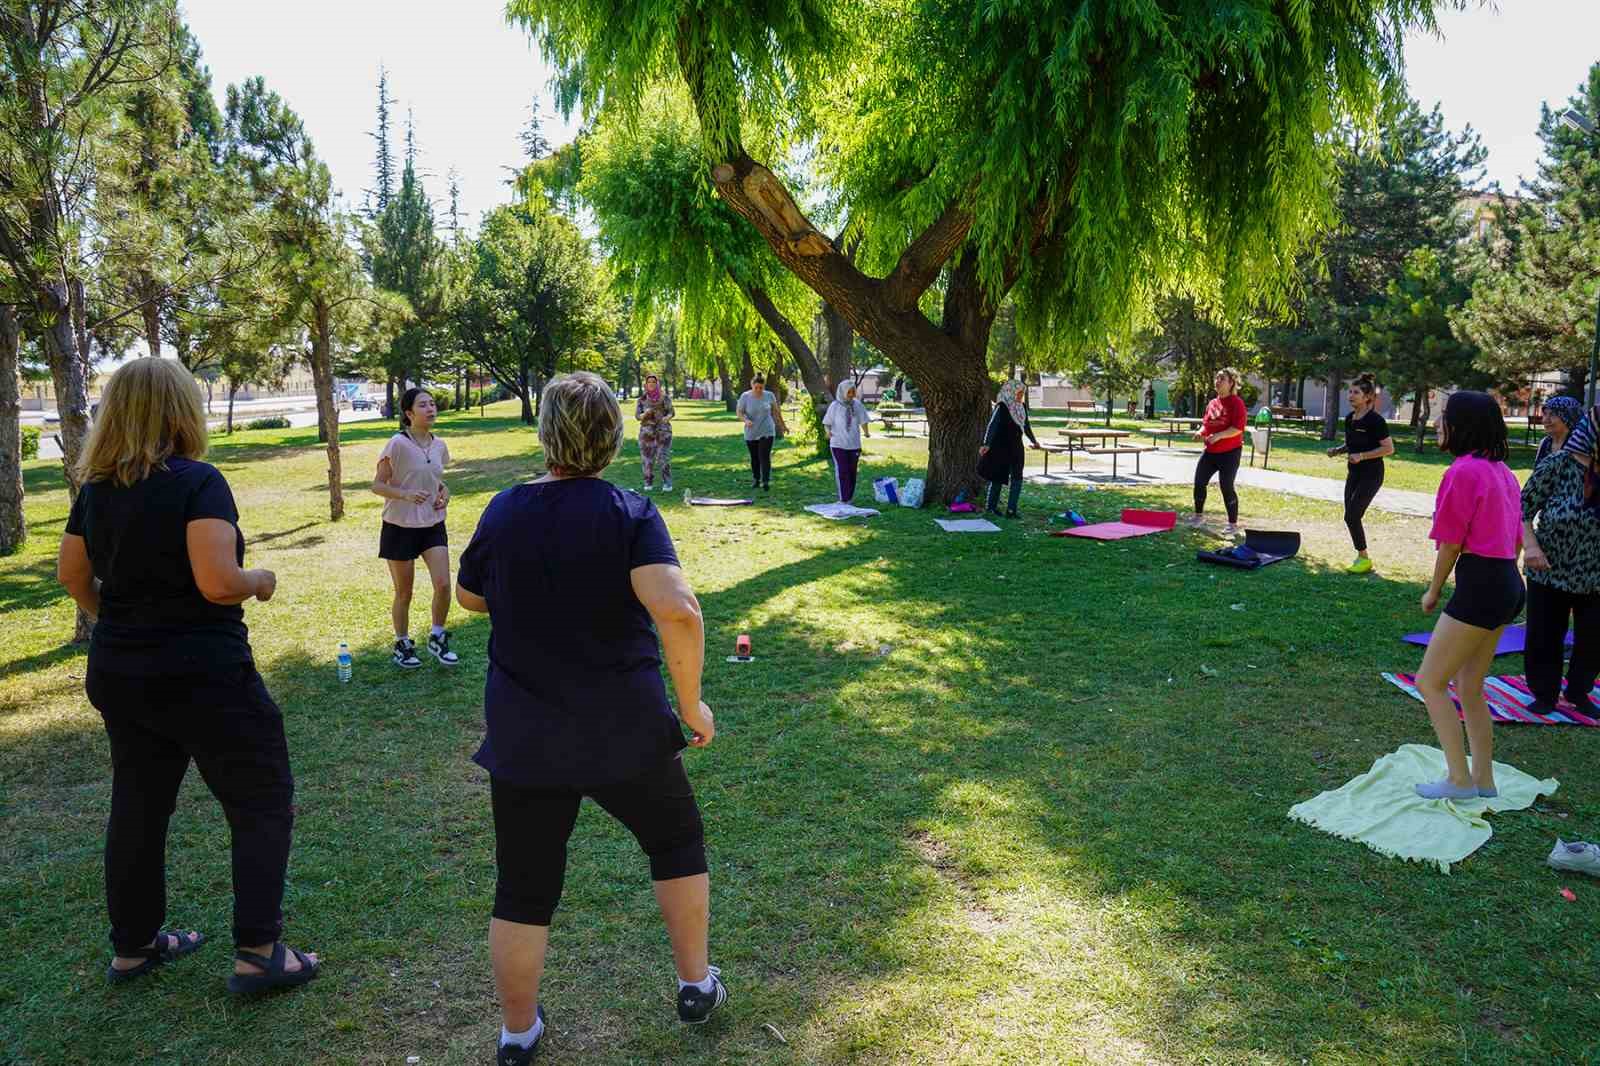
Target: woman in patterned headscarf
{"type": "Point", "coordinates": [1561, 534]}
{"type": "Point", "coordinates": [1561, 413]}
{"type": "Point", "coordinates": [1001, 457]}
{"type": "Point", "coordinates": [654, 412]}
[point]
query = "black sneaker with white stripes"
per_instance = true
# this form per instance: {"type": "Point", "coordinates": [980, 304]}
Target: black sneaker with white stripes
{"type": "Point", "coordinates": [513, 1055]}
{"type": "Point", "coordinates": [695, 1007]}
{"type": "Point", "coordinates": [405, 654]}
{"type": "Point", "coordinates": [439, 648]}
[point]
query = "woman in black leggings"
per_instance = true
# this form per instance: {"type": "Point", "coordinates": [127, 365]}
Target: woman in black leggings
{"type": "Point", "coordinates": [1366, 442]}
{"type": "Point", "coordinates": [1222, 432]}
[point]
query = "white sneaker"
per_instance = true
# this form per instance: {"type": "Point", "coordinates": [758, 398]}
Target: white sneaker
{"type": "Point", "coordinates": [1231, 529]}
{"type": "Point", "coordinates": [667, 487]}
{"type": "Point", "coordinates": [1578, 857]}
{"type": "Point", "coordinates": [1195, 521]}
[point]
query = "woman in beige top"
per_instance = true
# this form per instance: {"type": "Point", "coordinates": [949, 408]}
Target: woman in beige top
{"type": "Point", "coordinates": [410, 480]}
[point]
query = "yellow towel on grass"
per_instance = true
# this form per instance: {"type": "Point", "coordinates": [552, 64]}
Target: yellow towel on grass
{"type": "Point", "coordinates": [1381, 809]}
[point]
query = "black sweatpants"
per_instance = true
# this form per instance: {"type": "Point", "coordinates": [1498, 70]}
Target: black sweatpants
{"type": "Point", "coordinates": [1361, 484]}
{"type": "Point", "coordinates": [228, 724]}
{"type": "Point", "coordinates": [1226, 466]}
{"type": "Point", "coordinates": [1015, 495]}
{"type": "Point", "coordinates": [1548, 612]}
{"type": "Point", "coordinates": [760, 460]}
{"type": "Point", "coordinates": [531, 827]}
{"type": "Point", "coordinates": [846, 462]}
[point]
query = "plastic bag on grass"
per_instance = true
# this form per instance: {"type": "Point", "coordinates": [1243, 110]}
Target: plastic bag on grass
{"type": "Point", "coordinates": [911, 493]}
{"type": "Point", "coordinates": [886, 490]}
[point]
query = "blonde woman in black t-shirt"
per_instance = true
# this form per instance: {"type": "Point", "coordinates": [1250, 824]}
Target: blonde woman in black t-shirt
{"type": "Point", "coordinates": [1366, 442]}
{"type": "Point", "coordinates": [153, 551]}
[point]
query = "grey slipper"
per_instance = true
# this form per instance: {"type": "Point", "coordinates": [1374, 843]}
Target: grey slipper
{"type": "Point", "coordinates": [1443, 789]}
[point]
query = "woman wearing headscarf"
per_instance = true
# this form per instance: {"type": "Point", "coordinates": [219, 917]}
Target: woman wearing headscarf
{"type": "Point", "coordinates": [654, 412]}
{"type": "Point", "coordinates": [846, 421]}
{"type": "Point", "coordinates": [1561, 413]}
{"type": "Point", "coordinates": [1000, 458]}
{"type": "Point", "coordinates": [1561, 534]}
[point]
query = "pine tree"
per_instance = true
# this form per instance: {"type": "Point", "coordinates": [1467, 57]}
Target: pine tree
{"type": "Point", "coordinates": [383, 164]}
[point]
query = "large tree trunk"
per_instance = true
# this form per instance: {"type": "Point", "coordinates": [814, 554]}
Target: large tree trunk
{"type": "Point", "coordinates": [747, 373]}
{"type": "Point", "coordinates": [728, 398]}
{"type": "Point", "coordinates": [233, 390]}
{"type": "Point", "coordinates": [322, 374]}
{"type": "Point", "coordinates": [1420, 411]}
{"type": "Point", "coordinates": [839, 339]}
{"type": "Point", "coordinates": [69, 372]}
{"type": "Point", "coordinates": [1330, 412]}
{"type": "Point", "coordinates": [525, 394]}
{"type": "Point", "coordinates": [13, 529]}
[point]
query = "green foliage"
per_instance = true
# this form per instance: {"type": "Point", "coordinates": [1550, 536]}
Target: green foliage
{"type": "Point", "coordinates": [275, 422]}
{"type": "Point", "coordinates": [1408, 338]}
{"type": "Point", "coordinates": [30, 442]}
{"type": "Point", "coordinates": [1537, 277]}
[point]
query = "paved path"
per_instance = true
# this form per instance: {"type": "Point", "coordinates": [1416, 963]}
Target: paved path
{"type": "Point", "coordinates": [1175, 467]}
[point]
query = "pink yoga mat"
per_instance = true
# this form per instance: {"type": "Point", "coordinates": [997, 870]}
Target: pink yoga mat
{"type": "Point", "coordinates": [1135, 523]}
{"type": "Point", "coordinates": [1514, 641]}
{"type": "Point", "coordinates": [1508, 698]}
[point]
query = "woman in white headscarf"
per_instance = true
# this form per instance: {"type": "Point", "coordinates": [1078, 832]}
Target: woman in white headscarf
{"type": "Point", "coordinates": [1001, 457]}
{"type": "Point", "coordinates": [846, 421]}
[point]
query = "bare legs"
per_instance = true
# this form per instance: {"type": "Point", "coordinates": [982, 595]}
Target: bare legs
{"type": "Point", "coordinates": [404, 576]}
{"type": "Point", "coordinates": [438, 562]}
{"type": "Point", "coordinates": [1464, 653]}
{"type": "Point", "coordinates": [517, 951]}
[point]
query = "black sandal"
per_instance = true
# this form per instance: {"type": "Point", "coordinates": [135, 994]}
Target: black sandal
{"type": "Point", "coordinates": [275, 976]}
{"type": "Point", "coordinates": [155, 956]}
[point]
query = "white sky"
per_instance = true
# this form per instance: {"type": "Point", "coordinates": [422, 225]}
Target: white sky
{"type": "Point", "coordinates": [469, 78]}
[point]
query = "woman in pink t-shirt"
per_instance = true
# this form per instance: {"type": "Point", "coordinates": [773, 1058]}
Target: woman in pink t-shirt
{"type": "Point", "coordinates": [1477, 524]}
{"type": "Point", "coordinates": [411, 481]}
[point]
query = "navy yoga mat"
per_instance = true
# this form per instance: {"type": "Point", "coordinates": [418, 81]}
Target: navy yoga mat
{"type": "Point", "coordinates": [1265, 546]}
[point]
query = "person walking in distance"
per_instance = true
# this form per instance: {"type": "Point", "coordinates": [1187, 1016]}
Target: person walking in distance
{"type": "Point", "coordinates": [410, 479]}
{"type": "Point", "coordinates": [655, 413]}
{"type": "Point", "coordinates": [846, 423]}
{"type": "Point", "coordinates": [1366, 442]}
{"type": "Point", "coordinates": [763, 419]}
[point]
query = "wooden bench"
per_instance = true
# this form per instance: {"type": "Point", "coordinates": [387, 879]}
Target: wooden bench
{"type": "Point", "coordinates": [1135, 450]}
{"type": "Point", "coordinates": [1052, 448]}
{"type": "Point", "coordinates": [900, 422]}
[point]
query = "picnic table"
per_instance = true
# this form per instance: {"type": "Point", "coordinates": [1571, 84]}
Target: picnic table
{"type": "Point", "coordinates": [1112, 443]}
{"type": "Point", "coordinates": [1177, 426]}
{"type": "Point", "coordinates": [1074, 434]}
{"type": "Point", "coordinates": [901, 419]}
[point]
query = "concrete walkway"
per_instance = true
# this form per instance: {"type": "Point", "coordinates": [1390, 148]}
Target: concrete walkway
{"type": "Point", "coordinates": [1176, 467]}
{"type": "Point", "coordinates": [298, 419]}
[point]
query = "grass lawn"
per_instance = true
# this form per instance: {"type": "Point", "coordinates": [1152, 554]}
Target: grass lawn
{"type": "Point", "coordinates": [982, 799]}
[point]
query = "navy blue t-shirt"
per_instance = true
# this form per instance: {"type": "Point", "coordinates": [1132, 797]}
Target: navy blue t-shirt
{"type": "Point", "coordinates": [574, 695]}
{"type": "Point", "coordinates": [153, 619]}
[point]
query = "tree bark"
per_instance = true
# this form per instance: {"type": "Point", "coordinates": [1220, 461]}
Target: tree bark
{"type": "Point", "coordinates": [233, 390]}
{"type": "Point", "coordinates": [151, 313]}
{"type": "Point", "coordinates": [525, 394]}
{"type": "Point", "coordinates": [322, 375]}
{"type": "Point", "coordinates": [1330, 414]}
{"type": "Point", "coordinates": [13, 529]}
{"type": "Point", "coordinates": [728, 398]}
{"type": "Point", "coordinates": [839, 339]}
{"type": "Point", "coordinates": [747, 373]}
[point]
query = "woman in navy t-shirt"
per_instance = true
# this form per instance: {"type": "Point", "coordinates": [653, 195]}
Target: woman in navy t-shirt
{"type": "Point", "coordinates": [153, 552]}
{"type": "Point", "coordinates": [577, 577]}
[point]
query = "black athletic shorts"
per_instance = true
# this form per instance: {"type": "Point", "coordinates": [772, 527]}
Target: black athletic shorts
{"type": "Point", "coordinates": [405, 543]}
{"type": "Point", "coordinates": [1489, 592]}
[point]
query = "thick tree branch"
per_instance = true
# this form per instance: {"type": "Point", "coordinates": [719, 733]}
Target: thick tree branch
{"type": "Point", "coordinates": [925, 257]}
{"type": "Point", "coordinates": [778, 322]}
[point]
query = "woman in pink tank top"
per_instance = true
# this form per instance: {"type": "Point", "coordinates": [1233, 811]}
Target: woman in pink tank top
{"type": "Point", "coordinates": [1477, 525]}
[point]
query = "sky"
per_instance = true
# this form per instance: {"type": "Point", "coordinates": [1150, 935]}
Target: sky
{"type": "Point", "coordinates": [469, 79]}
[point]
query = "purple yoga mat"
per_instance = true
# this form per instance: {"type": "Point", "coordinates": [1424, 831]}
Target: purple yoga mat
{"type": "Point", "coordinates": [1514, 641]}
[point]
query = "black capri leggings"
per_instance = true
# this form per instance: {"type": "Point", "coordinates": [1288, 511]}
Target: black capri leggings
{"type": "Point", "coordinates": [760, 459]}
{"type": "Point", "coordinates": [1361, 484]}
{"type": "Point", "coordinates": [531, 827]}
{"type": "Point", "coordinates": [1226, 466]}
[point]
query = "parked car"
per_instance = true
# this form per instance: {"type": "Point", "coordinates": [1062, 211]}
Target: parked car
{"type": "Point", "coordinates": [363, 403]}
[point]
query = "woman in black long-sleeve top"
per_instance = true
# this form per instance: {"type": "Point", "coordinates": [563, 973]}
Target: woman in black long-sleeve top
{"type": "Point", "coordinates": [1001, 456]}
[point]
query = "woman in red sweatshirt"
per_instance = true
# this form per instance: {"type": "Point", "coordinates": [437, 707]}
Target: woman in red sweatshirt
{"type": "Point", "coordinates": [1222, 432]}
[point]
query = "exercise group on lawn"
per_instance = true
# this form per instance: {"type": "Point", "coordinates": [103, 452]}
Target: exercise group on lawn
{"type": "Point", "coordinates": [575, 703]}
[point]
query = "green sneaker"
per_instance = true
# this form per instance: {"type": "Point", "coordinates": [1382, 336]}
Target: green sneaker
{"type": "Point", "coordinates": [1362, 565]}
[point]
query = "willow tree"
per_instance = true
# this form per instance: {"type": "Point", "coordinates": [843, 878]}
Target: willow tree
{"type": "Point", "coordinates": [1087, 155]}
{"type": "Point", "coordinates": [674, 243]}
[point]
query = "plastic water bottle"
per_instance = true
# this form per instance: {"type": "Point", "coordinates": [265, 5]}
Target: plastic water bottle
{"type": "Point", "coordinates": [344, 661]}
{"type": "Point", "coordinates": [687, 495]}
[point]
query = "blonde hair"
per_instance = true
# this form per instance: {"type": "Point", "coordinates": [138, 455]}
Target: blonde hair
{"type": "Point", "coordinates": [150, 411]}
{"type": "Point", "coordinates": [580, 425]}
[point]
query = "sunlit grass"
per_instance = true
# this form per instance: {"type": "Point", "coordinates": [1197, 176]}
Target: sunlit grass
{"type": "Point", "coordinates": [989, 799]}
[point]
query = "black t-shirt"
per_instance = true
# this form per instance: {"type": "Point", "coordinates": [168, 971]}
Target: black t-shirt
{"type": "Point", "coordinates": [1363, 434]}
{"type": "Point", "coordinates": [574, 694]}
{"type": "Point", "coordinates": [153, 619]}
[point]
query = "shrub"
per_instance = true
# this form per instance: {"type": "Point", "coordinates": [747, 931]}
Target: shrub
{"type": "Point", "coordinates": [275, 422]}
{"type": "Point", "coordinates": [30, 442]}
